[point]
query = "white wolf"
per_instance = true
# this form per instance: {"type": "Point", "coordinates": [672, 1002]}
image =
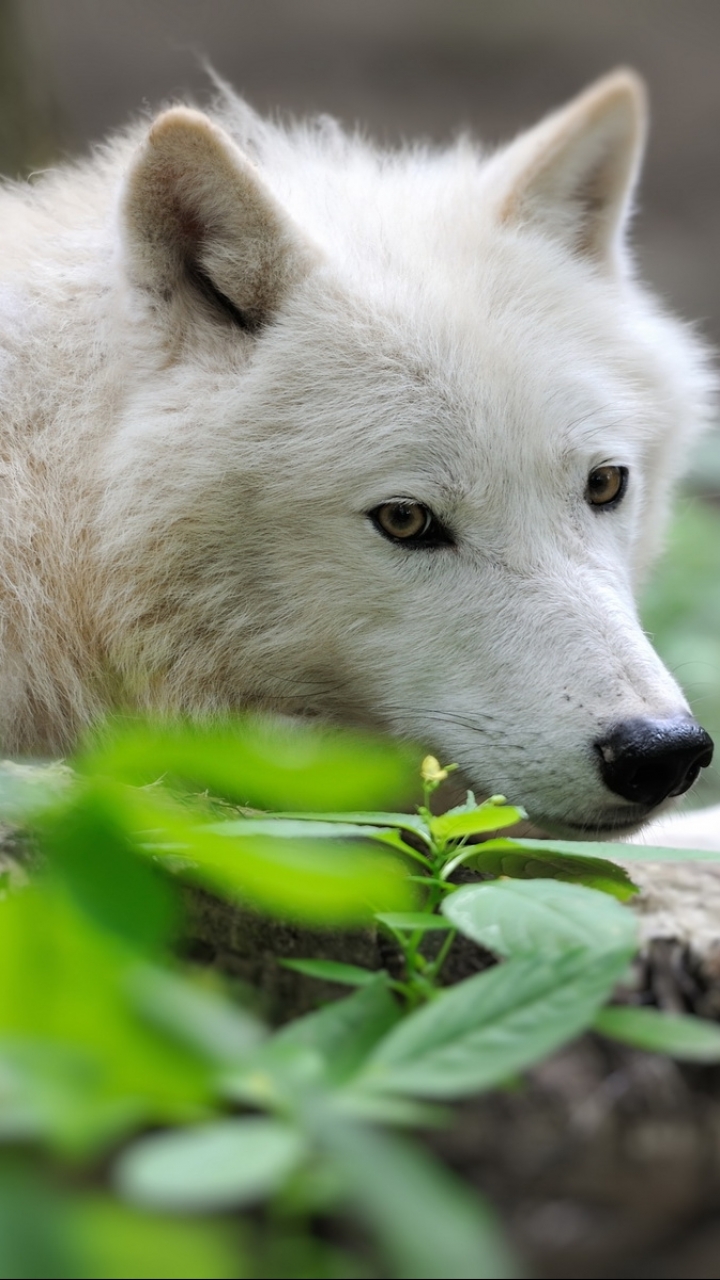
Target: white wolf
{"type": "Point", "coordinates": [388, 437]}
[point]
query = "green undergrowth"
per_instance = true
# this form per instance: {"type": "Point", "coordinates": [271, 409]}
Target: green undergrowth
{"type": "Point", "coordinates": [151, 1124]}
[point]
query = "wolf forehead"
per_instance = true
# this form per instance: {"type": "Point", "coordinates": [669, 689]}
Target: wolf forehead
{"type": "Point", "coordinates": [430, 287]}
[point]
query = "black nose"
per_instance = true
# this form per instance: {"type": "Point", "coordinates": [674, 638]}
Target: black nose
{"type": "Point", "coordinates": [649, 760]}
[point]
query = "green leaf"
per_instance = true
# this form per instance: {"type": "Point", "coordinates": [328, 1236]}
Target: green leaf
{"type": "Point", "coordinates": [687, 1038]}
{"type": "Point", "coordinates": [386, 1108]}
{"type": "Point", "coordinates": [427, 1222]}
{"type": "Point", "coordinates": [482, 1031]}
{"type": "Point", "coordinates": [297, 880]}
{"type": "Point", "coordinates": [401, 821]}
{"type": "Point", "coordinates": [231, 1162]}
{"type": "Point", "coordinates": [351, 975]}
{"type": "Point", "coordinates": [88, 842]}
{"type": "Point", "coordinates": [118, 1242]}
{"type": "Point", "coordinates": [198, 1017]}
{"type": "Point", "coordinates": [297, 828]}
{"type": "Point", "coordinates": [292, 828]}
{"type": "Point", "coordinates": [596, 873]}
{"type": "Point", "coordinates": [417, 921]}
{"type": "Point", "coordinates": [608, 852]}
{"type": "Point", "coordinates": [320, 882]}
{"type": "Point", "coordinates": [487, 817]}
{"type": "Point", "coordinates": [259, 762]}
{"type": "Point", "coordinates": [87, 1066]}
{"type": "Point", "coordinates": [540, 918]}
{"type": "Point", "coordinates": [344, 1033]}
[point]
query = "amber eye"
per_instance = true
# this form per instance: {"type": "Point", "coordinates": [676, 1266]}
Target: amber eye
{"type": "Point", "coordinates": [410, 524]}
{"type": "Point", "coordinates": [606, 486]}
{"type": "Point", "coordinates": [403, 520]}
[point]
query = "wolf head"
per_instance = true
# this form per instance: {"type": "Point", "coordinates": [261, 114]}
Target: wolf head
{"type": "Point", "coordinates": [400, 445]}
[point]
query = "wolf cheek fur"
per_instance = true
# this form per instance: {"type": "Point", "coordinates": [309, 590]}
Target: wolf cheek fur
{"type": "Point", "coordinates": [228, 346]}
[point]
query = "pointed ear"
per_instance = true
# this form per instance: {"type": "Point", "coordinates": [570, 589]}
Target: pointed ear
{"type": "Point", "coordinates": [203, 235]}
{"type": "Point", "coordinates": [574, 174]}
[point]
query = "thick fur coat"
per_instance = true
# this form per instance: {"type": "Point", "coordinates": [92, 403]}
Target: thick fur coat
{"type": "Point", "coordinates": [233, 353]}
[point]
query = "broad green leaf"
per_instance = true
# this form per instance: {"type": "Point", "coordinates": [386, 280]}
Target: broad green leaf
{"type": "Point", "coordinates": [194, 1015]}
{"type": "Point", "coordinates": [260, 762]}
{"type": "Point", "coordinates": [477, 1034]}
{"type": "Point", "coordinates": [401, 821]}
{"type": "Point", "coordinates": [427, 1222]}
{"type": "Point", "coordinates": [88, 841]}
{"type": "Point", "coordinates": [299, 880]}
{"type": "Point", "coordinates": [487, 817]}
{"type": "Point", "coordinates": [351, 975]}
{"type": "Point", "coordinates": [609, 852]}
{"type": "Point", "coordinates": [344, 1033]}
{"type": "Point", "coordinates": [296, 828]}
{"type": "Point", "coordinates": [417, 921]}
{"type": "Point", "coordinates": [387, 1108]}
{"type": "Point", "coordinates": [90, 1067]}
{"type": "Point", "coordinates": [540, 918]}
{"type": "Point", "coordinates": [292, 828]}
{"type": "Point", "coordinates": [596, 873]}
{"type": "Point", "coordinates": [33, 1236]}
{"type": "Point", "coordinates": [306, 880]}
{"type": "Point", "coordinates": [220, 1165]}
{"type": "Point", "coordinates": [118, 1242]}
{"type": "Point", "coordinates": [679, 1036]}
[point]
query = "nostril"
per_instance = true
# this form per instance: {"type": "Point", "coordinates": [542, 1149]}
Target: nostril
{"type": "Point", "coordinates": [648, 760]}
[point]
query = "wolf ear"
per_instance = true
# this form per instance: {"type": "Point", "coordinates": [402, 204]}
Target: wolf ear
{"type": "Point", "coordinates": [201, 229]}
{"type": "Point", "coordinates": [574, 174]}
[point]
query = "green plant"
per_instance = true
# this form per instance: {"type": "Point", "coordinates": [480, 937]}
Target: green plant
{"type": "Point", "coordinates": [166, 1129]}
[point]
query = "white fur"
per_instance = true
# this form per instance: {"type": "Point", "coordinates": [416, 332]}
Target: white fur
{"type": "Point", "coordinates": [183, 505]}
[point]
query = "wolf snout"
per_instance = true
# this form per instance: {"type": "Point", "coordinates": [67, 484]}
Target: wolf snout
{"type": "Point", "coordinates": [647, 761]}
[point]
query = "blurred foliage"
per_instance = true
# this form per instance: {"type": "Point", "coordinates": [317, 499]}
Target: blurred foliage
{"type": "Point", "coordinates": [681, 608]}
{"type": "Point", "coordinates": [151, 1125]}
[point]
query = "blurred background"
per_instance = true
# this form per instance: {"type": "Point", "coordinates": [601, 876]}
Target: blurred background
{"type": "Point", "coordinates": [70, 70]}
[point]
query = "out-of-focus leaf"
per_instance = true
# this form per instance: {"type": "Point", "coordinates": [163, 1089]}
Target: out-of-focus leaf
{"type": "Point", "coordinates": [681, 612]}
{"type": "Point", "coordinates": [415, 921]}
{"type": "Point", "coordinates": [259, 762]}
{"type": "Point", "coordinates": [292, 828]}
{"type": "Point", "coordinates": [401, 821]}
{"type": "Point", "coordinates": [607, 852]}
{"type": "Point", "coordinates": [484, 1030]}
{"type": "Point", "coordinates": [87, 839]}
{"type": "Point", "coordinates": [33, 1238]}
{"type": "Point", "coordinates": [230, 1162]}
{"type": "Point", "coordinates": [296, 828]}
{"type": "Point", "coordinates": [596, 873]}
{"type": "Point", "coordinates": [690, 1039]}
{"type": "Point", "coordinates": [194, 1015]}
{"type": "Point", "coordinates": [314, 881]}
{"type": "Point", "coordinates": [540, 918]}
{"type": "Point", "coordinates": [90, 1067]}
{"type": "Point", "coordinates": [427, 1222]}
{"type": "Point", "coordinates": [118, 1242]}
{"type": "Point", "coordinates": [343, 1033]}
{"type": "Point", "coordinates": [387, 1108]}
{"type": "Point", "coordinates": [486, 817]}
{"type": "Point", "coordinates": [350, 975]}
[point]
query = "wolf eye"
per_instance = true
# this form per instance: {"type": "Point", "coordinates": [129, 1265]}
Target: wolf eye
{"type": "Point", "coordinates": [410, 522]}
{"type": "Point", "coordinates": [606, 486]}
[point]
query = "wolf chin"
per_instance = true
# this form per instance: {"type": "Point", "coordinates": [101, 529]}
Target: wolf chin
{"type": "Point", "coordinates": [386, 437]}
